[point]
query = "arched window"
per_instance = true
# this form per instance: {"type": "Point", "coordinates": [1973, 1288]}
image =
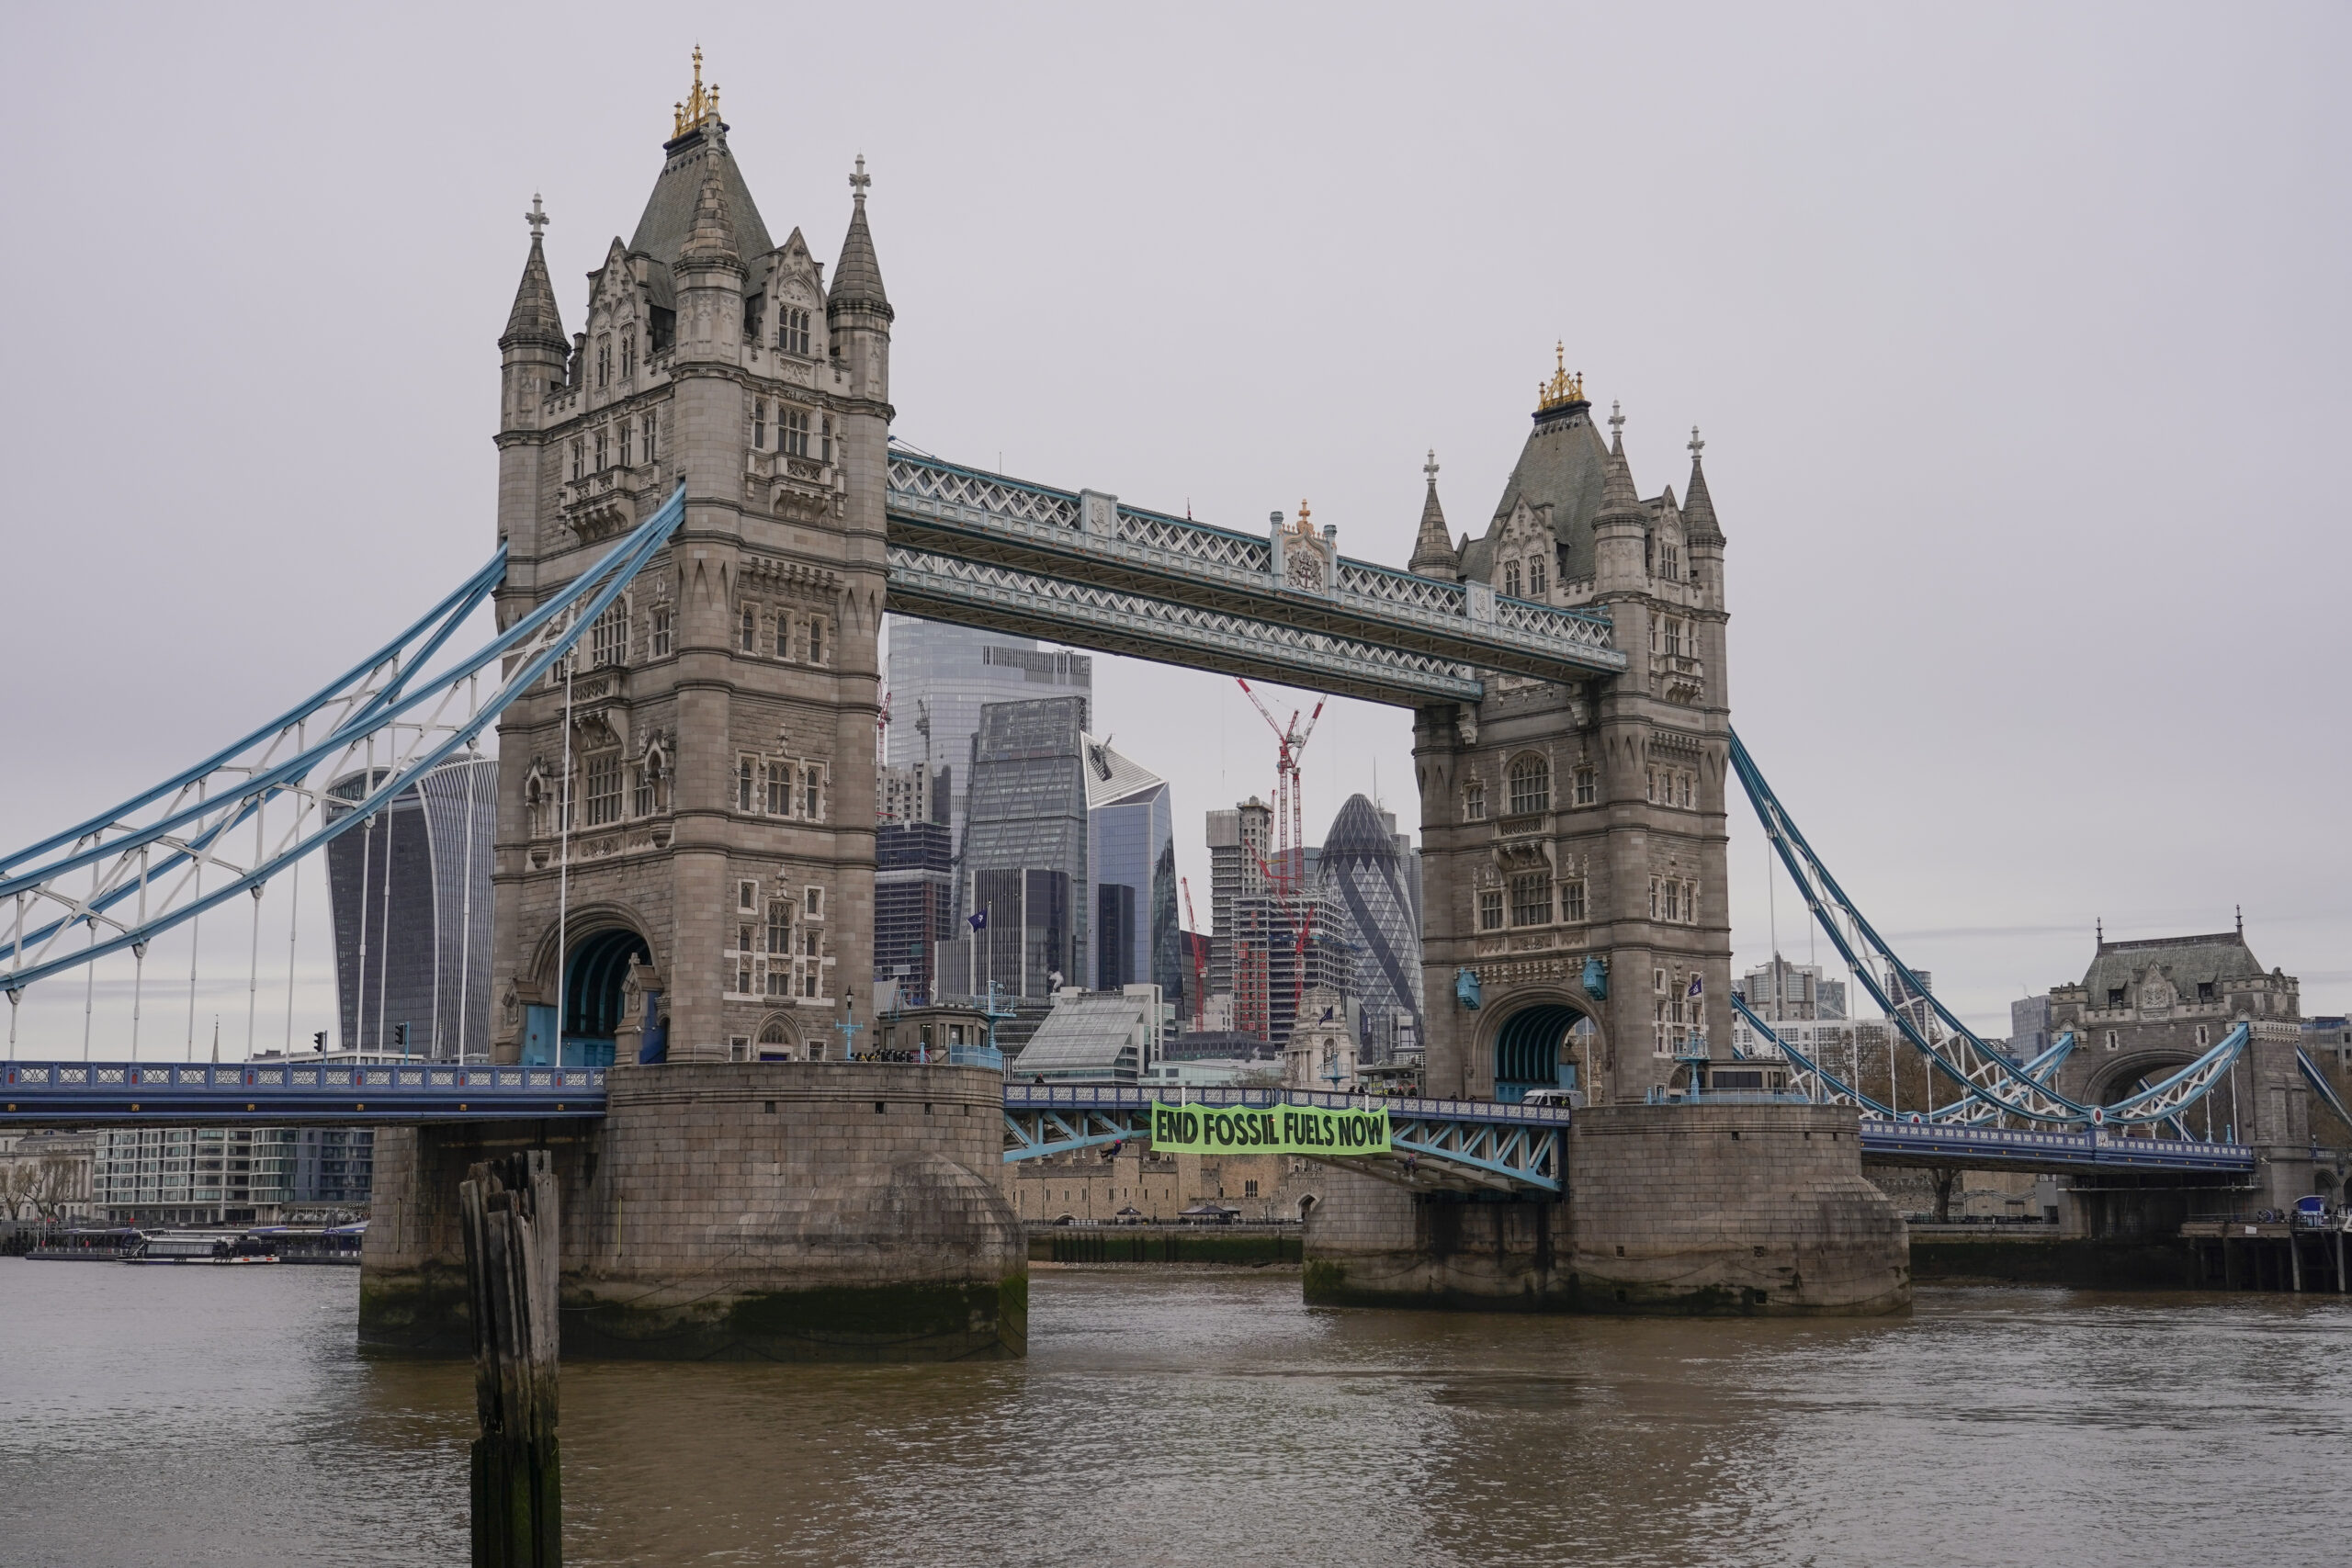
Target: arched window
{"type": "Point", "coordinates": [772, 1040]}
{"type": "Point", "coordinates": [1511, 577]}
{"type": "Point", "coordinates": [1531, 785]}
{"type": "Point", "coordinates": [1538, 579]}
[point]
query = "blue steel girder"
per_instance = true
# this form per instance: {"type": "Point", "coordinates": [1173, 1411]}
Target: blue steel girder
{"type": "Point", "coordinates": [282, 1092]}
{"type": "Point", "coordinates": [1436, 1142]}
{"type": "Point", "coordinates": [943, 587]}
{"type": "Point", "coordinates": [1090, 540]}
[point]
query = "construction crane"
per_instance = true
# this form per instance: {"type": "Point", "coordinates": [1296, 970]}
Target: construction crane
{"type": "Point", "coordinates": [1289, 861]}
{"type": "Point", "coordinates": [1198, 955]}
{"type": "Point", "coordinates": [1286, 871]}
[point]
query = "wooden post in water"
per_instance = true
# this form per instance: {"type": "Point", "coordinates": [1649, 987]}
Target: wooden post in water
{"type": "Point", "coordinates": [512, 1252]}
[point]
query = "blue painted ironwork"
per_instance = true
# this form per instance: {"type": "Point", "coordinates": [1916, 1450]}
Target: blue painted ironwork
{"type": "Point", "coordinates": [117, 1094]}
{"type": "Point", "coordinates": [1907, 1142]}
{"type": "Point", "coordinates": [981, 547]}
{"type": "Point", "coordinates": [2325, 1090]}
{"type": "Point", "coordinates": [152, 849]}
{"type": "Point", "coordinates": [1982, 1072]}
{"type": "Point", "coordinates": [1473, 1141]}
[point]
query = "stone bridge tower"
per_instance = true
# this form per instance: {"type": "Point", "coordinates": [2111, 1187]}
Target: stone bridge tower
{"type": "Point", "coordinates": [1573, 836]}
{"type": "Point", "coordinates": [686, 844]}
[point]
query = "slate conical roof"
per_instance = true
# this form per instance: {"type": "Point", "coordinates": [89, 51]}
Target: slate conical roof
{"type": "Point", "coordinates": [1617, 496]}
{"type": "Point", "coordinates": [711, 237]}
{"type": "Point", "coordinates": [536, 319]}
{"type": "Point", "coordinates": [670, 211]}
{"type": "Point", "coordinates": [1699, 510]}
{"type": "Point", "coordinates": [1432, 553]}
{"type": "Point", "coordinates": [857, 279]}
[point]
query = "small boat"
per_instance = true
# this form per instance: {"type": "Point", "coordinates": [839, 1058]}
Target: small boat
{"type": "Point", "coordinates": [201, 1249]}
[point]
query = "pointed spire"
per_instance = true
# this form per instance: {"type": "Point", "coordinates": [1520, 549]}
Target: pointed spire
{"type": "Point", "coordinates": [1699, 510]}
{"type": "Point", "coordinates": [536, 318]}
{"type": "Point", "coordinates": [1433, 554]}
{"type": "Point", "coordinates": [857, 280]}
{"type": "Point", "coordinates": [1617, 491]}
{"type": "Point", "coordinates": [712, 237]}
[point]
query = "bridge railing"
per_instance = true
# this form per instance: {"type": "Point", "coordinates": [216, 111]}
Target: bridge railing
{"type": "Point", "coordinates": [2091, 1146]}
{"type": "Point", "coordinates": [97, 1093]}
{"type": "Point", "coordinates": [1121, 1097]}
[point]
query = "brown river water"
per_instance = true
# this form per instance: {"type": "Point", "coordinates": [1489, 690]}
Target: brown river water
{"type": "Point", "coordinates": [190, 1417]}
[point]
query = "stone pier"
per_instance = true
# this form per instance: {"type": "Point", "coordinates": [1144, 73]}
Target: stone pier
{"type": "Point", "coordinates": [771, 1211]}
{"type": "Point", "coordinates": [1713, 1209]}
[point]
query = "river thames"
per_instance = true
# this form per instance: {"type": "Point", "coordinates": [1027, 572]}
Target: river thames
{"type": "Point", "coordinates": [186, 1416]}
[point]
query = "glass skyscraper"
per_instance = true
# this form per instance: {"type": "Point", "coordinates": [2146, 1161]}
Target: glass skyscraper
{"type": "Point", "coordinates": [1371, 871]}
{"type": "Point", "coordinates": [1131, 875]}
{"type": "Point", "coordinates": [940, 677]}
{"type": "Point", "coordinates": [410, 892]}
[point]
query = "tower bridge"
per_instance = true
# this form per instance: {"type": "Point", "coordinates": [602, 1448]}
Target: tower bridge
{"type": "Point", "coordinates": [702, 518]}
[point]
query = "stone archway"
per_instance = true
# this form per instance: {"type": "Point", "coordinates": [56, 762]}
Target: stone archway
{"type": "Point", "coordinates": [595, 991]}
{"type": "Point", "coordinates": [1531, 1044]}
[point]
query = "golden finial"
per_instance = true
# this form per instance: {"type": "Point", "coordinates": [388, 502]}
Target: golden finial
{"type": "Point", "coordinates": [1562, 389]}
{"type": "Point", "coordinates": [700, 105]}
{"type": "Point", "coordinates": [1303, 525]}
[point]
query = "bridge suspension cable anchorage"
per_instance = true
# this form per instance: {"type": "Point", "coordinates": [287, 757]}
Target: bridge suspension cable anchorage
{"type": "Point", "coordinates": [1993, 1089]}
{"type": "Point", "coordinates": [168, 854]}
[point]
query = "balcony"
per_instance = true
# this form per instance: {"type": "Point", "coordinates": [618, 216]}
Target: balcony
{"type": "Point", "coordinates": [1681, 677]}
{"type": "Point", "coordinates": [800, 488]}
{"type": "Point", "coordinates": [603, 504]}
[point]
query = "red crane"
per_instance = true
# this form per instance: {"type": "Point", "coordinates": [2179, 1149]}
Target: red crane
{"type": "Point", "coordinates": [1286, 871]}
{"type": "Point", "coordinates": [1198, 953]}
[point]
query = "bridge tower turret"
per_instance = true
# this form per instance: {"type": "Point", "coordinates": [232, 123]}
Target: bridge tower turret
{"type": "Point", "coordinates": [686, 826]}
{"type": "Point", "coordinates": [1574, 844]}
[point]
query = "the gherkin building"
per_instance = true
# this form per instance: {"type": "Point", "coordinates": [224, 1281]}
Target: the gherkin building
{"type": "Point", "coordinates": [1372, 871]}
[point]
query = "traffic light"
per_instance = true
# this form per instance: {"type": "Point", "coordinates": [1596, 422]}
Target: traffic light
{"type": "Point", "coordinates": [400, 1035]}
{"type": "Point", "coordinates": [318, 1041]}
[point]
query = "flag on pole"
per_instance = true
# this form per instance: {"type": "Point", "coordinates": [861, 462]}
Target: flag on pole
{"type": "Point", "coordinates": [979, 923]}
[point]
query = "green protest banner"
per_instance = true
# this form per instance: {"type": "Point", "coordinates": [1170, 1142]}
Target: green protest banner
{"type": "Point", "coordinates": [1267, 1130]}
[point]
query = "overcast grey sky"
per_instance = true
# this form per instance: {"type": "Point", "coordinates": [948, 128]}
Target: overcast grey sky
{"type": "Point", "coordinates": [2018, 336]}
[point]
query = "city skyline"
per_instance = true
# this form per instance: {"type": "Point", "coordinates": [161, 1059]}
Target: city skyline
{"type": "Point", "coordinates": [1880, 301]}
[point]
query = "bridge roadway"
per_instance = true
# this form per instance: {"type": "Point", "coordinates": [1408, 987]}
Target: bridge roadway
{"type": "Point", "coordinates": [1473, 1143]}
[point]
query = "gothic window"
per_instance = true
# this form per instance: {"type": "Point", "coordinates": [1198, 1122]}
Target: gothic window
{"type": "Point", "coordinates": [746, 784]}
{"type": "Point", "coordinates": [1531, 898]}
{"type": "Point", "coordinates": [795, 422]}
{"type": "Point", "coordinates": [2204, 1036]}
{"type": "Point", "coordinates": [783, 635]}
{"type": "Point", "coordinates": [604, 777]}
{"type": "Point", "coordinates": [641, 790]}
{"type": "Point", "coordinates": [1672, 559]}
{"type": "Point", "coordinates": [1572, 900]}
{"type": "Point", "coordinates": [827, 456]}
{"type": "Point", "coordinates": [1587, 787]}
{"type": "Point", "coordinates": [815, 640]}
{"type": "Point", "coordinates": [608, 638]}
{"type": "Point", "coordinates": [1490, 910]}
{"type": "Point", "coordinates": [759, 424]}
{"type": "Point", "coordinates": [812, 907]}
{"type": "Point", "coordinates": [1673, 638]}
{"type": "Point", "coordinates": [773, 1035]}
{"type": "Point", "coordinates": [1474, 801]}
{"type": "Point", "coordinates": [600, 449]}
{"type": "Point", "coordinates": [625, 435]}
{"type": "Point", "coordinates": [2110, 1039]}
{"type": "Point", "coordinates": [1531, 785]}
{"type": "Point", "coordinates": [779, 789]}
{"type": "Point", "coordinates": [576, 455]}
{"type": "Point", "coordinates": [1655, 906]}
{"type": "Point", "coordinates": [657, 642]}
{"type": "Point", "coordinates": [1682, 790]}
{"type": "Point", "coordinates": [747, 895]}
{"type": "Point", "coordinates": [780, 926]}
{"type": "Point", "coordinates": [1538, 579]}
{"type": "Point", "coordinates": [812, 796]}
{"type": "Point", "coordinates": [1511, 577]}
{"type": "Point", "coordinates": [792, 330]}
{"type": "Point", "coordinates": [650, 428]}
{"type": "Point", "coordinates": [603, 363]}
{"type": "Point", "coordinates": [755, 311]}
{"type": "Point", "coordinates": [744, 958]}
{"type": "Point", "coordinates": [748, 629]}
{"type": "Point", "coordinates": [629, 354]}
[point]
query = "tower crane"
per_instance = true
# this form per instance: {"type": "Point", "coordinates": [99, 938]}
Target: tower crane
{"type": "Point", "coordinates": [1289, 862]}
